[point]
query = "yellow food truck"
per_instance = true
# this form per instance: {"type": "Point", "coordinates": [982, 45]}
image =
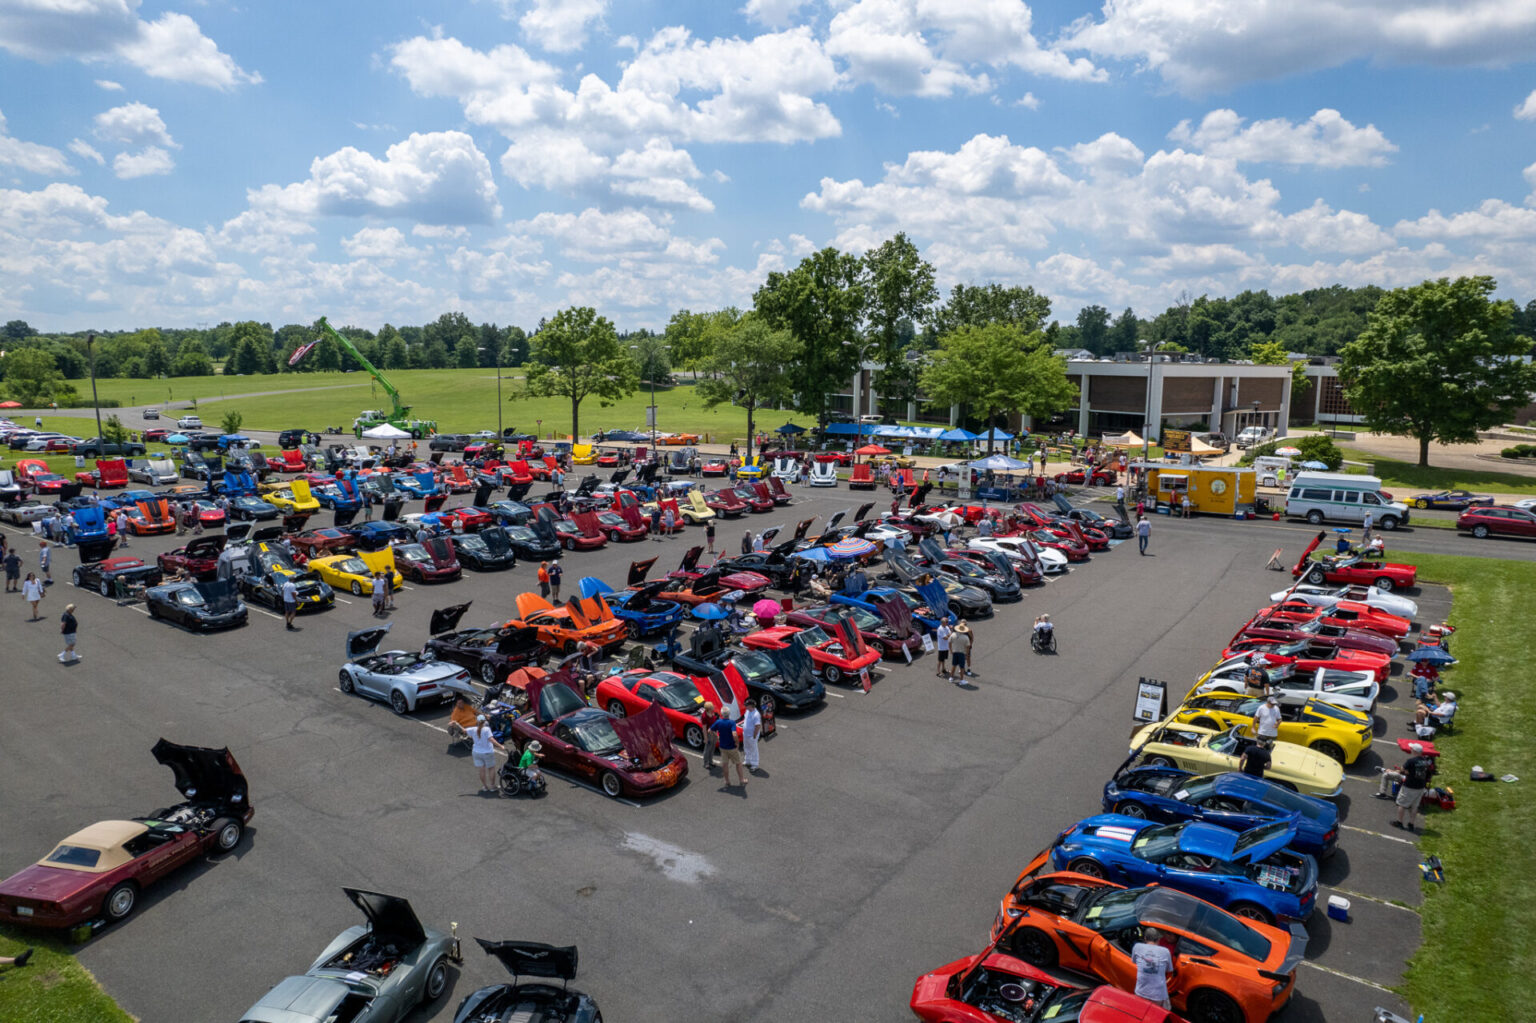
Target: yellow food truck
{"type": "Point", "coordinates": [1212, 490]}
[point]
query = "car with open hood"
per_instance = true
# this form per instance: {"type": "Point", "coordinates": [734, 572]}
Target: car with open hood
{"type": "Point", "coordinates": [434, 560]}
{"type": "Point", "coordinates": [378, 971]}
{"type": "Point", "coordinates": [1350, 569]}
{"type": "Point", "coordinates": [1206, 750]}
{"type": "Point", "coordinates": [1001, 584]}
{"type": "Point", "coordinates": [564, 628]}
{"type": "Point", "coordinates": [490, 654]}
{"type": "Point", "coordinates": [1231, 799]}
{"type": "Point", "coordinates": [1303, 656]}
{"type": "Point", "coordinates": [317, 543]}
{"type": "Point", "coordinates": [642, 611]}
{"type": "Point", "coordinates": [779, 678]}
{"type": "Point", "coordinates": [97, 571]}
{"type": "Point", "coordinates": [1335, 731]}
{"type": "Point", "coordinates": [250, 508]}
{"type": "Point", "coordinates": [1229, 969]}
{"type": "Point", "coordinates": [1114, 527]}
{"type": "Point", "coordinates": [994, 987]}
{"type": "Point", "coordinates": [266, 567]}
{"type": "Point", "coordinates": [355, 572]}
{"type": "Point", "coordinates": [941, 593]}
{"type": "Point", "coordinates": [890, 628]}
{"type": "Point", "coordinates": [151, 518]}
{"type": "Point", "coordinates": [214, 604]}
{"type": "Point", "coordinates": [293, 499]}
{"type": "Point", "coordinates": [691, 587]}
{"type": "Point", "coordinates": [489, 550]}
{"type": "Point", "coordinates": [857, 592]}
{"type": "Point", "coordinates": [784, 571]}
{"type": "Point", "coordinates": [403, 679]}
{"type": "Point", "coordinates": [520, 1002]}
{"type": "Point", "coordinates": [1265, 625]}
{"type": "Point", "coordinates": [100, 872]}
{"type": "Point", "coordinates": [631, 756]}
{"type": "Point", "coordinates": [376, 535]}
{"type": "Point", "coordinates": [1346, 614]}
{"type": "Point", "coordinates": [838, 651]}
{"type": "Point", "coordinates": [199, 558]}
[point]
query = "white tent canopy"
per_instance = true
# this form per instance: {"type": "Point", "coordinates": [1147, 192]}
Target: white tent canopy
{"type": "Point", "coordinates": [386, 431]}
{"type": "Point", "coordinates": [1123, 440]}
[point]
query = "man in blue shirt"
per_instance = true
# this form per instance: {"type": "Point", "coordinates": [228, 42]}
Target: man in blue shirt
{"type": "Point", "coordinates": [730, 750]}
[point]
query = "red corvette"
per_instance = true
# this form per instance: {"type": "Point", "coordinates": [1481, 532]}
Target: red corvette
{"type": "Point", "coordinates": [1099, 477]}
{"type": "Point", "coordinates": [726, 503]}
{"type": "Point", "coordinates": [1261, 626]}
{"type": "Point", "coordinates": [100, 871]}
{"type": "Point", "coordinates": [892, 632]}
{"type": "Point", "coordinates": [1072, 549]}
{"type": "Point", "coordinates": [1345, 613]}
{"type": "Point", "coordinates": [1310, 655]}
{"type": "Point", "coordinates": [839, 458]}
{"type": "Point", "coordinates": [993, 987]}
{"type": "Point", "coordinates": [841, 656]}
{"type": "Point", "coordinates": [199, 559]}
{"type": "Point", "coordinates": [682, 698]}
{"type": "Point", "coordinates": [757, 502]}
{"type": "Point", "coordinates": [1349, 568]}
{"type": "Point", "coordinates": [714, 465]}
{"type": "Point", "coordinates": [316, 543]}
{"type": "Point", "coordinates": [287, 461]}
{"type": "Point", "coordinates": [618, 529]}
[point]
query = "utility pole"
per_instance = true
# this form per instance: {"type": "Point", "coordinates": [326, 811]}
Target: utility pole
{"type": "Point", "coordinates": [90, 351]}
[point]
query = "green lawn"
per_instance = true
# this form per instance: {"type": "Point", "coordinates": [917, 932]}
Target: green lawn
{"type": "Point", "coordinates": [52, 987]}
{"type": "Point", "coordinates": [1475, 961]}
{"type": "Point", "coordinates": [1407, 476]}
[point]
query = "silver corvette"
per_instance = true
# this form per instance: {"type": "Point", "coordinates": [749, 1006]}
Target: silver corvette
{"type": "Point", "coordinates": [404, 680]}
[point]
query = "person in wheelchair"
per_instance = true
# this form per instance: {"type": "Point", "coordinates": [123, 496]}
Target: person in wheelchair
{"type": "Point", "coordinates": [1044, 635]}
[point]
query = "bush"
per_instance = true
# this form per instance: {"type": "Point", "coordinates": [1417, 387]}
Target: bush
{"type": "Point", "coordinates": [1519, 451]}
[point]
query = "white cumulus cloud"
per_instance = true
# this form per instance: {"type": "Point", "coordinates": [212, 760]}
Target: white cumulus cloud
{"type": "Point", "coordinates": [148, 161]}
{"type": "Point", "coordinates": [133, 124]}
{"type": "Point", "coordinates": [1526, 111]}
{"type": "Point", "coordinates": [31, 156]}
{"type": "Point", "coordinates": [562, 25]}
{"type": "Point", "coordinates": [1325, 139]}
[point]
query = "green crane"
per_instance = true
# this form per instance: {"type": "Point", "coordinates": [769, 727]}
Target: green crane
{"type": "Point", "coordinates": [399, 416]}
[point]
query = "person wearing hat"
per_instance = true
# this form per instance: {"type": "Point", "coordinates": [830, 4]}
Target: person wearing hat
{"type": "Point", "coordinates": [530, 757]}
{"type": "Point", "coordinates": [1266, 720]}
{"type": "Point", "coordinates": [484, 752]}
{"type": "Point", "coordinates": [959, 652]}
{"type": "Point", "coordinates": [68, 626]}
{"type": "Point", "coordinates": [1414, 776]}
{"type": "Point", "coordinates": [1256, 682]}
{"type": "Point", "coordinates": [1435, 715]}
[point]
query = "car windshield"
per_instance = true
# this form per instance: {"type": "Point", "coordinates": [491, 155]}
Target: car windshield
{"type": "Point", "coordinates": [967, 569]}
{"type": "Point", "coordinates": [596, 735]}
{"type": "Point", "coordinates": [1156, 843]}
{"type": "Point", "coordinates": [754, 664]}
{"type": "Point", "coordinates": [1334, 679]}
{"type": "Point", "coordinates": [352, 566]}
{"type": "Point", "coordinates": [471, 541]}
{"type": "Point", "coordinates": [1227, 742]}
{"type": "Point", "coordinates": [1293, 802]}
{"type": "Point", "coordinates": [1114, 911]}
{"type": "Point", "coordinates": [1328, 710]}
{"type": "Point", "coordinates": [521, 533]}
{"type": "Point", "coordinates": [866, 621]}
{"type": "Point", "coordinates": [680, 695]}
{"type": "Point", "coordinates": [814, 635]}
{"type": "Point", "coordinates": [74, 856]}
{"type": "Point", "coordinates": [1194, 789]}
{"type": "Point", "coordinates": [412, 552]}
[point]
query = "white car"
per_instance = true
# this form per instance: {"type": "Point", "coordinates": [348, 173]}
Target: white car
{"type": "Point", "coordinates": [151, 413]}
{"type": "Point", "coordinates": [189, 423]}
{"type": "Point", "coordinates": [1356, 690]}
{"type": "Point", "coordinates": [1528, 503]}
{"type": "Point", "coordinates": [155, 472]}
{"type": "Point", "coordinates": [824, 474]}
{"type": "Point", "coordinates": [1020, 549]}
{"type": "Point", "coordinates": [26, 512]}
{"type": "Point", "coordinates": [1328, 596]}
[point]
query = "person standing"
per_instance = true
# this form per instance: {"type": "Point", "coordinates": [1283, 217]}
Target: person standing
{"type": "Point", "coordinates": [555, 573]}
{"type": "Point", "coordinates": [1143, 533]}
{"type": "Point", "coordinates": [32, 590]}
{"type": "Point", "coordinates": [959, 651]}
{"type": "Point", "coordinates": [1266, 720]}
{"type": "Point", "coordinates": [746, 542]}
{"type": "Point", "coordinates": [1254, 760]}
{"type": "Point", "coordinates": [290, 592]}
{"type": "Point", "coordinates": [45, 561]}
{"type": "Point", "coordinates": [1185, 506]}
{"type": "Point", "coordinates": [122, 528]}
{"type": "Point", "coordinates": [378, 594]}
{"type": "Point", "coordinates": [708, 717]}
{"type": "Point", "coordinates": [730, 752]}
{"type": "Point", "coordinates": [941, 639]}
{"type": "Point", "coordinates": [1417, 770]}
{"type": "Point", "coordinates": [751, 731]}
{"type": "Point", "coordinates": [12, 570]}
{"type": "Point", "coordinates": [1154, 965]}
{"type": "Point", "coordinates": [668, 523]}
{"type": "Point", "coordinates": [709, 535]}
{"type": "Point", "coordinates": [68, 626]}
{"type": "Point", "coordinates": [1366, 524]}
{"type": "Point", "coordinates": [483, 751]}
{"type": "Point", "coordinates": [656, 518]}
{"type": "Point", "coordinates": [544, 579]}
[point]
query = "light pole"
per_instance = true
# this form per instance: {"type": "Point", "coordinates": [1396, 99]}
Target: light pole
{"type": "Point", "coordinates": [90, 351]}
{"type": "Point", "coordinates": [1146, 419]}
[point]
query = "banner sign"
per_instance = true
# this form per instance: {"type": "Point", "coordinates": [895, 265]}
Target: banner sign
{"type": "Point", "coordinates": [1176, 440]}
{"type": "Point", "coordinates": [1151, 700]}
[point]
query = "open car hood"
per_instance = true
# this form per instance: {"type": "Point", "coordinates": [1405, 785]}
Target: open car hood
{"type": "Point", "coordinates": [543, 523]}
{"type": "Point", "coordinates": [690, 559]}
{"type": "Point", "coordinates": [533, 958]}
{"type": "Point", "coordinates": [587, 612]}
{"type": "Point", "coordinates": [90, 520]}
{"type": "Point", "coordinates": [936, 597]}
{"type": "Point", "coordinates": [439, 550]}
{"type": "Point", "coordinates": [1252, 846]}
{"type": "Point", "coordinates": [897, 615]}
{"type": "Point", "coordinates": [382, 560]}
{"type": "Point", "coordinates": [220, 596]}
{"type": "Point", "coordinates": [517, 638]}
{"type": "Point", "coordinates": [802, 527]}
{"type": "Point", "coordinates": [531, 603]}
{"type": "Point", "coordinates": [391, 917]}
{"type": "Point", "coordinates": [203, 773]}
{"type": "Point", "coordinates": [496, 540]}
{"type": "Point", "coordinates": [446, 619]}
{"type": "Point", "coordinates": [236, 532]}
{"type": "Point", "coordinates": [836, 518]}
{"type": "Point", "coordinates": [206, 546]}
{"type": "Point", "coordinates": [647, 736]}
{"type": "Point", "coordinates": [365, 641]}
{"type": "Point", "coordinates": [592, 586]}
{"type": "Point", "coordinates": [1301, 562]}
{"type": "Point", "coordinates": [794, 663]}
{"type": "Point", "coordinates": [840, 626]}
{"type": "Point", "coordinates": [587, 522]}
{"type": "Point", "coordinates": [638, 570]}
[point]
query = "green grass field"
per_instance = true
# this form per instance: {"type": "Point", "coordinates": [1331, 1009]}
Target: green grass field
{"type": "Point", "coordinates": [52, 988]}
{"type": "Point", "coordinates": [1474, 963]}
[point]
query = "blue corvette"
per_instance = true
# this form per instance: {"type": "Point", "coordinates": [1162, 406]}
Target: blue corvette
{"type": "Point", "coordinates": [1251, 874]}
{"type": "Point", "coordinates": [343, 495]}
{"type": "Point", "coordinates": [1168, 795]}
{"type": "Point", "coordinates": [871, 599]}
{"type": "Point", "coordinates": [416, 484]}
{"type": "Point", "coordinates": [374, 536]}
{"type": "Point", "coordinates": [640, 610]}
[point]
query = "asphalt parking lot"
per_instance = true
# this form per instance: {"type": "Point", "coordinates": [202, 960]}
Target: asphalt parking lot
{"type": "Point", "coordinates": [875, 846]}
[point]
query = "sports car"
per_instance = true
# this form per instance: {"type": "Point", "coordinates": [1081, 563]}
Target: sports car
{"type": "Point", "coordinates": [49, 483]}
{"type": "Point", "coordinates": [993, 987]}
{"type": "Point", "coordinates": [1204, 750]}
{"type": "Point", "coordinates": [1263, 626]}
{"type": "Point", "coordinates": [197, 605]}
{"type": "Point", "coordinates": [583, 454]}
{"type": "Point", "coordinates": [757, 503]}
{"type": "Point", "coordinates": [1078, 477]}
{"type": "Point", "coordinates": [1073, 549]}
{"type": "Point", "coordinates": [24, 513]}
{"type": "Point", "coordinates": [355, 571]}
{"type": "Point", "coordinates": [509, 513]}
{"type": "Point", "coordinates": [406, 681]}
{"type": "Point", "coordinates": [1251, 874]}
{"type": "Point", "coordinates": [711, 585]}
{"type": "Point", "coordinates": [529, 1003]}
{"type": "Point", "coordinates": [714, 465]}
{"type": "Point", "coordinates": [317, 543]}
{"type": "Point", "coordinates": [1114, 528]}
{"type": "Point", "coordinates": [754, 468]}
{"type": "Point", "coordinates": [841, 656]}
{"type": "Point", "coordinates": [421, 484]}
{"type": "Point", "coordinates": [458, 519]}
{"type": "Point", "coordinates": [565, 628]}
{"type": "Point", "coordinates": [778, 678]}
{"type": "Point", "coordinates": [431, 561]}
{"type": "Point", "coordinates": [89, 523]}
{"type": "Point", "coordinates": [1301, 658]}
{"type": "Point", "coordinates": [377, 972]}
{"type": "Point", "coordinates": [622, 756]}
{"type": "Point", "coordinates": [103, 576]}
{"type": "Point", "coordinates": [874, 598]}
{"type": "Point", "coordinates": [1338, 732]}
{"type": "Point", "coordinates": [209, 515]}
{"type": "Point", "coordinates": [1023, 572]}
{"type": "Point", "coordinates": [1001, 586]}
{"type": "Point", "coordinates": [100, 871]}
{"type": "Point", "coordinates": [641, 610]}
{"type": "Point", "coordinates": [375, 536]}
{"type": "Point", "coordinates": [489, 550]}
{"type": "Point", "coordinates": [151, 518]}
{"type": "Point", "coordinates": [295, 498]}
{"type": "Point", "coordinates": [247, 508]}
{"type": "Point", "coordinates": [618, 530]}
{"type": "Point", "coordinates": [154, 471]}
{"type": "Point", "coordinates": [1354, 691]}
{"type": "Point", "coordinates": [1231, 800]}
{"type": "Point", "coordinates": [783, 571]}
{"type": "Point", "coordinates": [199, 558]}
{"type": "Point", "coordinates": [578, 532]}
{"type": "Point", "coordinates": [342, 494]}
{"type": "Point", "coordinates": [529, 545]}
{"type": "Point", "coordinates": [1327, 596]}
{"type": "Point", "coordinates": [1352, 568]}
{"type": "Point", "coordinates": [1346, 614]}
{"type": "Point", "coordinates": [728, 504]}
{"type": "Point", "coordinates": [966, 601]}
{"type": "Point", "coordinates": [673, 439]}
{"type": "Point", "coordinates": [490, 654]}
{"type": "Point", "coordinates": [287, 461]}
{"type": "Point", "coordinates": [1230, 969]}
{"type": "Point", "coordinates": [1455, 500]}
{"type": "Point", "coordinates": [889, 630]}
{"type": "Point", "coordinates": [681, 698]}
{"type": "Point", "coordinates": [269, 568]}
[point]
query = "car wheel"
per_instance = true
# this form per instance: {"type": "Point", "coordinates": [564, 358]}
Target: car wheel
{"type": "Point", "coordinates": [1384, 584]}
{"type": "Point", "coordinates": [611, 785]}
{"type": "Point", "coordinates": [1421, 503]}
{"type": "Point", "coordinates": [569, 544]}
{"type": "Point", "coordinates": [436, 982]}
{"type": "Point", "coordinates": [1160, 762]}
{"type": "Point", "coordinates": [1481, 532]}
{"type": "Point", "coordinates": [1034, 946]}
{"type": "Point", "coordinates": [617, 709]}
{"type": "Point", "coordinates": [345, 679]}
{"type": "Point", "coordinates": [1389, 522]}
{"type": "Point", "coordinates": [1329, 749]}
{"type": "Point", "coordinates": [488, 673]}
{"type": "Point", "coordinates": [78, 579]}
{"type": "Point", "coordinates": [1206, 723]}
{"type": "Point", "coordinates": [106, 589]}
{"type": "Point", "coordinates": [1317, 577]}
{"type": "Point", "coordinates": [153, 609]}
{"type": "Point", "coordinates": [1207, 1006]}
{"type": "Point", "coordinates": [226, 834]}
{"type": "Point", "coordinates": [398, 702]}
{"type": "Point", "coordinates": [1127, 808]}
{"type": "Point", "coordinates": [357, 588]}
{"type": "Point", "coordinates": [1315, 517]}
{"type": "Point", "coordinates": [614, 536]}
{"type": "Point", "coordinates": [1083, 865]}
{"type": "Point", "coordinates": [1250, 911]}
{"type": "Point", "coordinates": [635, 630]}
{"type": "Point", "coordinates": [833, 674]}
{"type": "Point", "coordinates": [121, 900]}
{"type": "Point", "coordinates": [415, 435]}
{"type": "Point", "coordinates": [693, 735]}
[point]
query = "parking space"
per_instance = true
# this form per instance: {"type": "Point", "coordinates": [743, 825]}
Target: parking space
{"type": "Point", "coordinates": [876, 845]}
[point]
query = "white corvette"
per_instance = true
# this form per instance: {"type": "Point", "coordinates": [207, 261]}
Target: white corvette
{"type": "Point", "coordinates": [1020, 549]}
{"type": "Point", "coordinates": [1328, 596]}
{"type": "Point", "coordinates": [1356, 690]}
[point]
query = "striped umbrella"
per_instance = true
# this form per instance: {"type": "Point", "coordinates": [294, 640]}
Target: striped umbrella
{"type": "Point", "coordinates": [852, 547]}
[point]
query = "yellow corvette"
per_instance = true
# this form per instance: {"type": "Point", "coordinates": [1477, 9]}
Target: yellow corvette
{"type": "Point", "coordinates": [294, 499]}
{"type": "Point", "coordinates": [583, 454]}
{"type": "Point", "coordinates": [1338, 732]}
{"type": "Point", "coordinates": [355, 571]}
{"type": "Point", "coordinates": [1207, 751]}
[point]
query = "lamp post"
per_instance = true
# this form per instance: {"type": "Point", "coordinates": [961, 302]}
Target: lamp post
{"type": "Point", "coordinates": [90, 351]}
{"type": "Point", "coordinates": [1255, 420]}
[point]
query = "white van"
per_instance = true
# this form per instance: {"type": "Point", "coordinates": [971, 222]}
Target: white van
{"type": "Point", "coordinates": [1342, 497]}
{"type": "Point", "coordinates": [1253, 436]}
{"type": "Point", "coordinates": [1269, 468]}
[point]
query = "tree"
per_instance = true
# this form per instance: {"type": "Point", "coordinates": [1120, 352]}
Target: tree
{"type": "Point", "coordinates": [753, 366]}
{"type": "Point", "coordinates": [578, 355]}
{"type": "Point", "coordinates": [1093, 329]}
{"type": "Point", "coordinates": [653, 362]}
{"type": "Point", "coordinates": [231, 422]}
{"type": "Point", "coordinates": [997, 369]}
{"type": "Point", "coordinates": [515, 352]}
{"type": "Point", "coordinates": [434, 355]}
{"type": "Point", "coordinates": [467, 353]}
{"type": "Point", "coordinates": [901, 296]}
{"type": "Point", "coordinates": [822, 303]}
{"type": "Point", "coordinates": [157, 361]}
{"type": "Point", "coordinates": [192, 360]}
{"type": "Point", "coordinates": [1274, 353]}
{"type": "Point", "coordinates": [1125, 333]}
{"type": "Point", "coordinates": [250, 349]}
{"type": "Point", "coordinates": [113, 431]}
{"type": "Point", "coordinates": [31, 375]}
{"type": "Point", "coordinates": [974, 306]}
{"type": "Point", "coordinates": [392, 353]}
{"type": "Point", "coordinates": [1437, 362]}
{"type": "Point", "coordinates": [15, 330]}
{"type": "Point", "coordinates": [448, 328]}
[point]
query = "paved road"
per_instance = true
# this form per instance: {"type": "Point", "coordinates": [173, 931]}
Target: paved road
{"type": "Point", "coordinates": [877, 847]}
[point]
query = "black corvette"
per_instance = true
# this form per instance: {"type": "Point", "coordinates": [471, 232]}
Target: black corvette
{"type": "Point", "coordinates": [99, 572]}
{"type": "Point", "coordinates": [529, 545]}
{"type": "Point", "coordinates": [197, 605]}
{"type": "Point", "coordinates": [785, 572]}
{"type": "Point", "coordinates": [490, 654]}
{"type": "Point", "coordinates": [779, 678]}
{"type": "Point", "coordinates": [489, 550]}
{"type": "Point", "coordinates": [246, 508]}
{"type": "Point", "coordinates": [530, 1003]}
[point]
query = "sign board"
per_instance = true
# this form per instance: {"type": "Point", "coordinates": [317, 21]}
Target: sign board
{"type": "Point", "coordinates": [965, 483]}
{"type": "Point", "coordinates": [1151, 700]}
{"type": "Point", "coordinates": [1176, 440]}
{"type": "Point", "coordinates": [650, 416]}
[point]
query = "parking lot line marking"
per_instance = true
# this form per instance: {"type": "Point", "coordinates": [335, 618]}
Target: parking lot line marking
{"type": "Point", "coordinates": [344, 600]}
{"type": "Point", "coordinates": [1347, 976]}
{"type": "Point", "coordinates": [1378, 834]}
{"type": "Point", "coordinates": [269, 614]}
{"type": "Point", "coordinates": [840, 696]}
{"type": "Point", "coordinates": [1372, 898]}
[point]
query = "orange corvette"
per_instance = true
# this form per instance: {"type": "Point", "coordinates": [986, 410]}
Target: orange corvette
{"type": "Point", "coordinates": [565, 628]}
{"type": "Point", "coordinates": [680, 438]}
{"type": "Point", "coordinates": [1226, 968]}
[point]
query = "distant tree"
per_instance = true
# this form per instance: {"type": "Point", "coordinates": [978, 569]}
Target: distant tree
{"type": "Point", "coordinates": [1093, 329]}
{"type": "Point", "coordinates": [1438, 362]}
{"type": "Point", "coordinates": [467, 352]}
{"type": "Point", "coordinates": [31, 376]}
{"type": "Point", "coordinates": [1125, 333]}
{"type": "Point", "coordinates": [653, 362]}
{"type": "Point", "coordinates": [752, 366]}
{"type": "Point", "coordinates": [392, 351]}
{"type": "Point", "coordinates": [448, 328]}
{"type": "Point", "coordinates": [15, 330]}
{"type": "Point", "coordinates": [998, 369]}
{"type": "Point", "coordinates": [192, 360]}
{"type": "Point", "coordinates": [434, 355]}
{"type": "Point", "coordinates": [973, 306]}
{"type": "Point", "coordinates": [113, 431]}
{"type": "Point", "coordinates": [250, 349]}
{"type": "Point", "coordinates": [157, 361]}
{"type": "Point", "coordinates": [822, 302]}
{"type": "Point", "coordinates": [231, 422]}
{"type": "Point", "coordinates": [1274, 353]}
{"type": "Point", "coordinates": [578, 355]}
{"type": "Point", "coordinates": [901, 293]}
{"type": "Point", "coordinates": [515, 352]}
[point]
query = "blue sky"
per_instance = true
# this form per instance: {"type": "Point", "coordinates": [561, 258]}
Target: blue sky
{"type": "Point", "coordinates": [169, 164]}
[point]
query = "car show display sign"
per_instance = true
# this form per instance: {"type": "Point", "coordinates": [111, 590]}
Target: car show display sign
{"type": "Point", "coordinates": [1176, 440]}
{"type": "Point", "coordinates": [1151, 700]}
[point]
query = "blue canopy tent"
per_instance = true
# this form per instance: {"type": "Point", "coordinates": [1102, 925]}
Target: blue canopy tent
{"type": "Point", "coordinates": [958, 433]}
{"type": "Point", "coordinates": [790, 428]}
{"type": "Point", "coordinates": [995, 434]}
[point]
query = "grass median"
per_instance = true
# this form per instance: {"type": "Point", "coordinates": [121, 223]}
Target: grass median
{"type": "Point", "coordinates": [1475, 960]}
{"type": "Point", "coordinates": [53, 987]}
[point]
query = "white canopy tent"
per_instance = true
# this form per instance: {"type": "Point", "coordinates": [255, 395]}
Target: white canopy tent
{"type": "Point", "coordinates": [386, 431]}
